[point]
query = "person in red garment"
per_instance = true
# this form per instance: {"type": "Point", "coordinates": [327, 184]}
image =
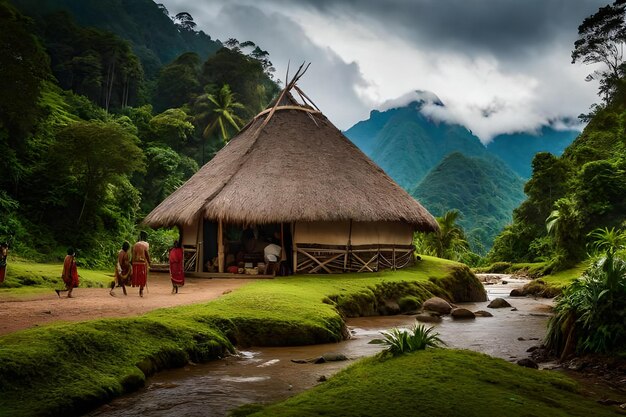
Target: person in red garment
{"type": "Point", "coordinates": [4, 251]}
{"type": "Point", "coordinates": [140, 262]}
{"type": "Point", "coordinates": [122, 269]}
{"type": "Point", "coordinates": [70, 273]}
{"type": "Point", "coordinates": [177, 270]}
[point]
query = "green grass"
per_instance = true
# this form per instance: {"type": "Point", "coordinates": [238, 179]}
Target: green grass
{"type": "Point", "coordinates": [437, 382]}
{"type": "Point", "coordinates": [565, 277]}
{"type": "Point", "coordinates": [71, 367]}
{"type": "Point", "coordinates": [25, 277]}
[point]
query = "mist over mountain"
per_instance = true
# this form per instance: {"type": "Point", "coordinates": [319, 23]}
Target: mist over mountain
{"type": "Point", "coordinates": [407, 144]}
{"type": "Point", "coordinates": [445, 166]}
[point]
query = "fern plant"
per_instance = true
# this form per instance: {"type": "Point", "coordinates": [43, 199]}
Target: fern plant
{"type": "Point", "coordinates": [416, 338]}
{"type": "Point", "coordinates": [591, 313]}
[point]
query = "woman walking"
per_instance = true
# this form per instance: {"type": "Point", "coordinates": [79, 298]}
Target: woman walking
{"type": "Point", "coordinates": [122, 269]}
{"type": "Point", "coordinates": [177, 270]}
{"type": "Point", "coordinates": [70, 273]}
{"type": "Point", "coordinates": [4, 252]}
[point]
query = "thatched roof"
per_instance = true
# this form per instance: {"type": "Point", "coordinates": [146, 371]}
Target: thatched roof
{"type": "Point", "coordinates": [294, 166]}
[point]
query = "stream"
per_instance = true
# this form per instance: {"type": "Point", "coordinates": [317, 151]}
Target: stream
{"type": "Point", "coordinates": [268, 374]}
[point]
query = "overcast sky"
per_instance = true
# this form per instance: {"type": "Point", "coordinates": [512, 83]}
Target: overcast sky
{"type": "Point", "coordinates": [497, 65]}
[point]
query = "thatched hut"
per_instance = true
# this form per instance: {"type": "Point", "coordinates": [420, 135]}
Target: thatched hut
{"type": "Point", "coordinates": [292, 175]}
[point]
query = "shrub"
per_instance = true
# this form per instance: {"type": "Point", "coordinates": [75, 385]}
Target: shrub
{"type": "Point", "coordinates": [591, 313]}
{"type": "Point", "coordinates": [404, 341]}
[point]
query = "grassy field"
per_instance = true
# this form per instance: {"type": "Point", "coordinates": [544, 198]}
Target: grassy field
{"type": "Point", "coordinates": [437, 382]}
{"type": "Point", "coordinates": [23, 277]}
{"type": "Point", "coordinates": [69, 368]}
{"type": "Point", "coordinates": [564, 278]}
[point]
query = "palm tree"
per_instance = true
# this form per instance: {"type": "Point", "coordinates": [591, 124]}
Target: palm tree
{"type": "Point", "coordinates": [448, 242]}
{"type": "Point", "coordinates": [218, 111]}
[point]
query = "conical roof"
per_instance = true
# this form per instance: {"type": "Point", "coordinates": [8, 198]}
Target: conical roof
{"type": "Point", "coordinates": [290, 163]}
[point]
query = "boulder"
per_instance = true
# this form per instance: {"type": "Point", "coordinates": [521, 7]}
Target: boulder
{"type": "Point", "coordinates": [499, 303]}
{"type": "Point", "coordinates": [438, 305]}
{"type": "Point", "coordinates": [389, 308]}
{"type": "Point", "coordinates": [528, 363]}
{"type": "Point", "coordinates": [462, 313]}
{"type": "Point", "coordinates": [428, 317]}
{"type": "Point", "coordinates": [516, 292]}
{"type": "Point", "coordinates": [482, 313]}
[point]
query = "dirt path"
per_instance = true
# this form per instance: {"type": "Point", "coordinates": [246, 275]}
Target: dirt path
{"type": "Point", "coordinates": [95, 303]}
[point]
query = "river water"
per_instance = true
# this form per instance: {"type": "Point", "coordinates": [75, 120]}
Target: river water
{"type": "Point", "coordinates": [268, 374]}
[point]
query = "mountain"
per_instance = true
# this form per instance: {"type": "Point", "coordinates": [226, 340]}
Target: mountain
{"type": "Point", "coordinates": [484, 183]}
{"type": "Point", "coordinates": [519, 149]}
{"type": "Point", "coordinates": [484, 189]}
{"type": "Point", "coordinates": [155, 38]}
{"type": "Point", "coordinates": [407, 144]}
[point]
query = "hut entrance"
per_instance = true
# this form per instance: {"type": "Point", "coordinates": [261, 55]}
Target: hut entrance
{"type": "Point", "coordinates": [242, 249]}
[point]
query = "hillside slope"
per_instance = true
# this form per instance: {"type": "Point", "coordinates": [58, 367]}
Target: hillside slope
{"type": "Point", "coordinates": [407, 144]}
{"type": "Point", "coordinates": [155, 38]}
{"type": "Point", "coordinates": [484, 190]}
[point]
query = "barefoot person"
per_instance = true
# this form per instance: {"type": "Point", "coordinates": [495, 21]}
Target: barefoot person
{"type": "Point", "coordinates": [141, 262]}
{"type": "Point", "coordinates": [4, 252]}
{"type": "Point", "coordinates": [122, 269]}
{"type": "Point", "coordinates": [70, 273]}
{"type": "Point", "coordinates": [177, 270]}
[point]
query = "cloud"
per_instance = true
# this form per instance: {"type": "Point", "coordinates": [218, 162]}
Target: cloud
{"type": "Point", "coordinates": [332, 83]}
{"type": "Point", "coordinates": [499, 66]}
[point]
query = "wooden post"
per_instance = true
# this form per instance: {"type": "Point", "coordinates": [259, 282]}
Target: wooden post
{"type": "Point", "coordinates": [294, 248]}
{"type": "Point", "coordinates": [200, 245]}
{"type": "Point", "coordinates": [220, 246]}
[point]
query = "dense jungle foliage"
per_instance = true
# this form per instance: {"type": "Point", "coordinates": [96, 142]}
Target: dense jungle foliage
{"type": "Point", "coordinates": [584, 189]}
{"type": "Point", "coordinates": [93, 134]}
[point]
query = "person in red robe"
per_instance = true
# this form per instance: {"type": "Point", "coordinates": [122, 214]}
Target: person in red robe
{"type": "Point", "coordinates": [122, 269]}
{"type": "Point", "coordinates": [140, 262]}
{"type": "Point", "coordinates": [177, 269]}
{"type": "Point", "coordinates": [70, 273]}
{"type": "Point", "coordinates": [4, 252]}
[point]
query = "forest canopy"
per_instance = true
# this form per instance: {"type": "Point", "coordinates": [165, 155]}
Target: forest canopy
{"type": "Point", "coordinates": [91, 140]}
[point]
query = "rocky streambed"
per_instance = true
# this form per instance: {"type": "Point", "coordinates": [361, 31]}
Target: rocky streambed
{"type": "Point", "coordinates": [271, 374]}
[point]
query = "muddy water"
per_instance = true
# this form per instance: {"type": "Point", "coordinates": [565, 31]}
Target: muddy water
{"type": "Point", "coordinates": [268, 374]}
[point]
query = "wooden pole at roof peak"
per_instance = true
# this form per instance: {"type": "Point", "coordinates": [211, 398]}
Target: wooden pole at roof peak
{"type": "Point", "coordinates": [299, 73]}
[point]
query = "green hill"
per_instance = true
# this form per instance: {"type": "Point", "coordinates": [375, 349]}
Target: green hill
{"type": "Point", "coordinates": [484, 189]}
{"type": "Point", "coordinates": [156, 39]}
{"type": "Point", "coordinates": [407, 144]}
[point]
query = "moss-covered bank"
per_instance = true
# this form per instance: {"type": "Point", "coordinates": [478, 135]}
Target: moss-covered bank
{"type": "Point", "coordinates": [544, 283]}
{"type": "Point", "coordinates": [437, 382]}
{"type": "Point", "coordinates": [70, 368]}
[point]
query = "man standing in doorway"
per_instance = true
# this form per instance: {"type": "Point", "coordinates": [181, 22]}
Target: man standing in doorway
{"type": "Point", "coordinates": [141, 262]}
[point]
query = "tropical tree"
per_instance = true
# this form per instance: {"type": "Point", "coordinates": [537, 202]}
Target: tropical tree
{"type": "Point", "coordinates": [448, 242]}
{"type": "Point", "coordinates": [601, 39]}
{"type": "Point", "coordinates": [217, 112]}
{"type": "Point", "coordinates": [172, 127]}
{"type": "Point", "coordinates": [178, 83]}
{"type": "Point", "coordinates": [95, 153]}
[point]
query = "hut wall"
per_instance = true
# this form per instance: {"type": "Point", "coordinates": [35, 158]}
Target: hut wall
{"type": "Point", "coordinates": [191, 246]}
{"type": "Point", "coordinates": [190, 233]}
{"type": "Point", "coordinates": [322, 233]}
{"type": "Point", "coordinates": [381, 233]}
{"type": "Point", "coordinates": [352, 246]}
